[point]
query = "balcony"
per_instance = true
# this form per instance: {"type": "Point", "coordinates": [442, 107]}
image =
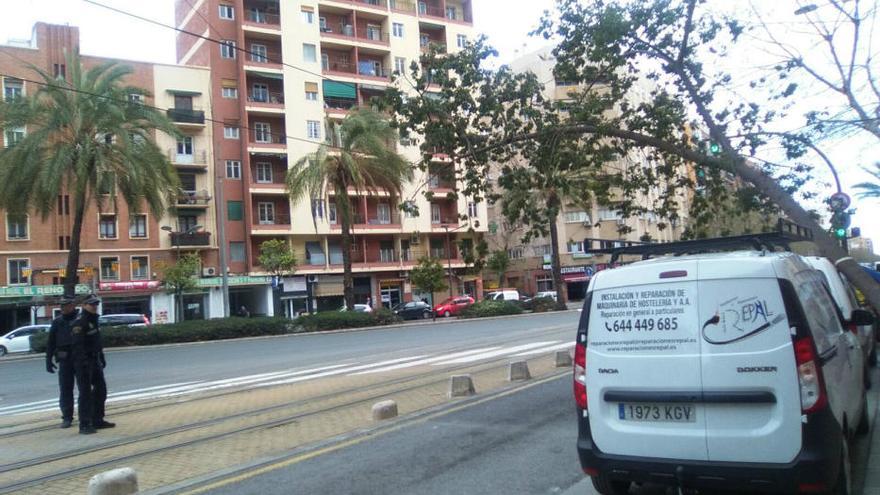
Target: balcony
{"type": "Point", "coordinates": [193, 199]}
{"type": "Point", "coordinates": [404, 6]}
{"type": "Point", "coordinates": [262, 17]}
{"type": "Point", "coordinates": [265, 102]}
{"type": "Point", "coordinates": [267, 140]}
{"type": "Point", "coordinates": [350, 32]}
{"type": "Point", "coordinates": [270, 223]}
{"type": "Point", "coordinates": [194, 239]}
{"type": "Point", "coordinates": [197, 160]}
{"type": "Point", "coordinates": [186, 116]}
{"type": "Point", "coordinates": [376, 4]}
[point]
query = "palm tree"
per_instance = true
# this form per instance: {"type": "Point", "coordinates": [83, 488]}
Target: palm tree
{"type": "Point", "coordinates": [870, 189]}
{"type": "Point", "coordinates": [359, 155]}
{"type": "Point", "coordinates": [85, 135]}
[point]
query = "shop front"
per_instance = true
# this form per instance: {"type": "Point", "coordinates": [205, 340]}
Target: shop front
{"type": "Point", "coordinates": [128, 297]}
{"type": "Point", "coordinates": [391, 292]}
{"type": "Point", "coordinates": [576, 279]}
{"type": "Point", "coordinates": [29, 304]}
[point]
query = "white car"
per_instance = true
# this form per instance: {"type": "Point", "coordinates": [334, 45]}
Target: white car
{"type": "Point", "coordinates": [503, 295]}
{"type": "Point", "coordinates": [19, 340]}
{"type": "Point", "coordinates": [547, 293]}
{"type": "Point", "coordinates": [845, 299]}
{"type": "Point", "coordinates": [723, 371]}
{"type": "Point", "coordinates": [359, 308]}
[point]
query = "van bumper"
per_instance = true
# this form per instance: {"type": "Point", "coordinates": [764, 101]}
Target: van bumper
{"type": "Point", "coordinates": [815, 469]}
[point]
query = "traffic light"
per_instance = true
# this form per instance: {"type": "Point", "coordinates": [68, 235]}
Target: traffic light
{"type": "Point", "coordinates": [840, 233]}
{"type": "Point", "coordinates": [839, 223]}
{"type": "Point", "coordinates": [714, 148]}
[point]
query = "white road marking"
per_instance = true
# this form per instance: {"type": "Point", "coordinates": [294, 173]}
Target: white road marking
{"type": "Point", "coordinates": [557, 347]}
{"type": "Point", "coordinates": [499, 352]}
{"type": "Point", "coordinates": [425, 361]}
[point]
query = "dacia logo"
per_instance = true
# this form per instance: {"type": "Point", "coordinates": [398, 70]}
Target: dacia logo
{"type": "Point", "coordinates": [757, 369]}
{"type": "Point", "coordinates": [608, 371]}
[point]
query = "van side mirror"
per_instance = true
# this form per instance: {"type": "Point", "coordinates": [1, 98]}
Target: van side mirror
{"type": "Point", "coordinates": [861, 317]}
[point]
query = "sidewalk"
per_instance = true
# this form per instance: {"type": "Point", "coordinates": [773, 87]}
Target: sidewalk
{"type": "Point", "coordinates": [867, 452]}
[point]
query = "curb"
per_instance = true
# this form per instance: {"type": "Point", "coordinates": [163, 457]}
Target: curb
{"type": "Point", "coordinates": [396, 326]}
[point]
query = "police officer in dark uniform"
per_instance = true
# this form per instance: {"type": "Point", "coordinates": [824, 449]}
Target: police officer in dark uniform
{"type": "Point", "coordinates": [88, 364]}
{"type": "Point", "coordinates": [58, 349]}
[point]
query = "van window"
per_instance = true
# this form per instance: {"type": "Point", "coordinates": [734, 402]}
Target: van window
{"type": "Point", "coordinates": [819, 310]}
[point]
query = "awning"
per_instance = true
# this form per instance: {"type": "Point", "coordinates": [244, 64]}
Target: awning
{"type": "Point", "coordinates": [336, 89]}
{"type": "Point", "coordinates": [184, 92]}
{"type": "Point", "coordinates": [267, 75]}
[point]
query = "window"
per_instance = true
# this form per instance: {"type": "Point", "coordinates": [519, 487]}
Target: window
{"type": "Point", "coordinates": [234, 211]}
{"type": "Point", "coordinates": [236, 252]}
{"type": "Point", "coordinates": [266, 212]}
{"type": "Point", "coordinates": [233, 169]}
{"type": "Point", "coordinates": [259, 53]}
{"type": "Point", "coordinates": [262, 132]}
{"type": "Point", "coordinates": [187, 223]}
{"type": "Point", "coordinates": [13, 136]}
{"type": "Point", "coordinates": [819, 310]}
{"type": "Point", "coordinates": [18, 272]}
{"type": "Point", "coordinates": [140, 268]}
{"type": "Point", "coordinates": [400, 65]}
{"type": "Point", "coordinates": [308, 15]}
{"type": "Point", "coordinates": [227, 49]}
{"type": "Point", "coordinates": [544, 284]}
{"type": "Point", "coordinates": [576, 247]}
{"type": "Point", "coordinates": [110, 268]}
{"type": "Point", "coordinates": [318, 208]}
{"type": "Point", "coordinates": [313, 128]}
{"type": "Point", "coordinates": [260, 93]}
{"type": "Point", "coordinates": [136, 98]}
{"type": "Point", "coordinates": [16, 227]}
{"type": "Point", "coordinates": [450, 13]}
{"type": "Point", "coordinates": [331, 213]}
{"type": "Point", "coordinates": [544, 250]}
{"type": "Point", "coordinates": [187, 182]}
{"type": "Point", "coordinates": [12, 88]}
{"type": "Point", "coordinates": [383, 211]}
{"type": "Point", "coordinates": [461, 41]}
{"type": "Point", "coordinates": [137, 226]}
{"type": "Point", "coordinates": [607, 214]}
{"type": "Point", "coordinates": [576, 217]}
{"type": "Point", "coordinates": [185, 149]}
{"type": "Point", "coordinates": [229, 92]}
{"type": "Point", "coordinates": [424, 40]}
{"type": "Point", "coordinates": [515, 253]}
{"type": "Point", "coordinates": [472, 209]}
{"type": "Point", "coordinates": [227, 12]}
{"type": "Point", "coordinates": [59, 71]}
{"type": "Point", "coordinates": [107, 227]}
{"type": "Point", "coordinates": [397, 30]}
{"type": "Point", "coordinates": [230, 132]}
{"type": "Point", "coordinates": [264, 173]}
{"type": "Point", "coordinates": [311, 95]}
{"type": "Point", "coordinates": [435, 213]}
{"type": "Point", "coordinates": [310, 53]}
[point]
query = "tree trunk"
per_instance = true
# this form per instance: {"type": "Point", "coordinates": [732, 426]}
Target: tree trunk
{"type": "Point", "coordinates": [347, 282]}
{"type": "Point", "coordinates": [555, 264]}
{"type": "Point", "coordinates": [71, 277]}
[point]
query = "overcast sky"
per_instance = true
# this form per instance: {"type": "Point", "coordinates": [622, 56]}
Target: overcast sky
{"type": "Point", "coordinates": [109, 34]}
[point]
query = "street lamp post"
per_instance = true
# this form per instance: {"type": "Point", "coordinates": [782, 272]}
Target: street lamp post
{"type": "Point", "coordinates": [178, 292]}
{"type": "Point", "coordinates": [449, 250]}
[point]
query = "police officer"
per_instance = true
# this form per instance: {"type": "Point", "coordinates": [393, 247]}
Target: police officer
{"type": "Point", "coordinates": [58, 349]}
{"type": "Point", "coordinates": [88, 364]}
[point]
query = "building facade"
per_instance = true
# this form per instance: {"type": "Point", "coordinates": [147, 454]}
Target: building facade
{"type": "Point", "coordinates": [282, 73]}
{"type": "Point", "coordinates": [122, 252]}
{"type": "Point", "coordinates": [581, 228]}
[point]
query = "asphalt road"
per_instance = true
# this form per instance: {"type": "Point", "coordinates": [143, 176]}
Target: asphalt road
{"type": "Point", "coordinates": [26, 381]}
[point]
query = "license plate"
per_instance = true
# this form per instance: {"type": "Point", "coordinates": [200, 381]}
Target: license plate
{"type": "Point", "coordinates": [661, 413]}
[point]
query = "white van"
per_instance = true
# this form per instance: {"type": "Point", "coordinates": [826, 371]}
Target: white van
{"type": "Point", "coordinates": [717, 371]}
{"type": "Point", "coordinates": [845, 299]}
{"type": "Point", "coordinates": [503, 295]}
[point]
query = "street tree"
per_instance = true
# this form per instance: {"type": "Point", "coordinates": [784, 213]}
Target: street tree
{"type": "Point", "coordinates": [499, 262]}
{"type": "Point", "coordinates": [870, 189]}
{"type": "Point", "coordinates": [86, 137]}
{"type": "Point", "coordinates": [360, 156]}
{"type": "Point", "coordinates": [180, 277]}
{"type": "Point", "coordinates": [644, 85]}
{"type": "Point", "coordinates": [277, 257]}
{"type": "Point", "coordinates": [429, 276]}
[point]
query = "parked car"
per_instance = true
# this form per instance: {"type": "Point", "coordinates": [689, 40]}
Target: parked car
{"type": "Point", "coordinates": [19, 340]}
{"type": "Point", "coordinates": [761, 385]}
{"type": "Point", "coordinates": [453, 305]}
{"type": "Point", "coordinates": [124, 320]}
{"type": "Point", "coordinates": [413, 310]}
{"type": "Point", "coordinates": [359, 308]}
{"type": "Point", "coordinates": [547, 293]}
{"type": "Point", "coordinates": [503, 295]}
{"type": "Point", "coordinates": [845, 298]}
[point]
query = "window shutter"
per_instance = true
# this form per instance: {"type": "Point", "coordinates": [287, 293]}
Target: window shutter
{"type": "Point", "coordinates": [311, 87]}
{"type": "Point", "coordinates": [234, 211]}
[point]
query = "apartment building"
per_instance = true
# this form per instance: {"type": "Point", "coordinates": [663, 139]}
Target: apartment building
{"type": "Point", "coordinates": [305, 65]}
{"type": "Point", "coordinates": [580, 228]}
{"type": "Point", "coordinates": [122, 252]}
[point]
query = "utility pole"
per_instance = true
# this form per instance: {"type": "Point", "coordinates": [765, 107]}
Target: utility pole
{"type": "Point", "coordinates": [448, 258]}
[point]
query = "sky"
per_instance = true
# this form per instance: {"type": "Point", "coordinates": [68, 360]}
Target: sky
{"type": "Point", "coordinates": [109, 34]}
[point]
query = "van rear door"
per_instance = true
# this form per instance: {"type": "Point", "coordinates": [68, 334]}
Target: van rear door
{"type": "Point", "coordinates": [643, 362]}
{"type": "Point", "coordinates": [750, 384]}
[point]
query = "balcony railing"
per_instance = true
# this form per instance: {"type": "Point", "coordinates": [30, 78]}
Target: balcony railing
{"type": "Point", "coordinates": [272, 137]}
{"type": "Point", "coordinates": [197, 157]}
{"type": "Point", "coordinates": [431, 10]}
{"type": "Point", "coordinates": [375, 3]}
{"type": "Point", "coordinates": [364, 33]}
{"type": "Point", "coordinates": [193, 198]}
{"type": "Point", "coordinates": [373, 71]}
{"type": "Point", "coordinates": [271, 97]}
{"type": "Point", "coordinates": [186, 116]}
{"type": "Point", "coordinates": [257, 16]}
{"type": "Point", "coordinates": [450, 221]}
{"type": "Point", "coordinates": [193, 239]}
{"type": "Point", "coordinates": [441, 47]}
{"type": "Point", "coordinates": [339, 103]}
{"type": "Point", "coordinates": [337, 66]}
{"type": "Point", "coordinates": [403, 6]}
{"type": "Point", "coordinates": [277, 218]}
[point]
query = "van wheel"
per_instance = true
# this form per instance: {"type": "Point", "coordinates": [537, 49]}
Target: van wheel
{"type": "Point", "coordinates": [426, 315]}
{"type": "Point", "coordinates": [447, 314]}
{"type": "Point", "coordinates": [2, 351]}
{"type": "Point", "coordinates": [864, 420]}
{"type": "Point", "coordinates": [607, 486]}
{"type": "Point", "coordinates": [867, 376]}
{"type": "Point", "coordinates": [872, 357]}
{"type": "Point", "coordinates": [844, 476]}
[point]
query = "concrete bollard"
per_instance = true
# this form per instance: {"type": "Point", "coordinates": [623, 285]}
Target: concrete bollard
{"type": "Point", "coordinates": [386, 409]}
{"type": "Point", "coordinates": [563, 359]}
{"type": "Point", "coordinates": [518, 370]}
{"type": "Point", "coordinates": [121, 481]}
{"type": "Point", "coordinates": [461, 386]}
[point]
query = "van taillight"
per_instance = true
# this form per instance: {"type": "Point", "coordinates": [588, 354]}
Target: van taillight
{"type": "Point", "coordinates": [146, 320]}
{"type": "Point", "coordinates": [580, 375]}
{"type": "Point", "coordinates": [852, 327]}
{"type": "Point", "coordinates": [813, 396]}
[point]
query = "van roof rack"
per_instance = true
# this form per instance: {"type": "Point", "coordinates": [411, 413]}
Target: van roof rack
{"type": "Point", "coordinates": [786, 232]}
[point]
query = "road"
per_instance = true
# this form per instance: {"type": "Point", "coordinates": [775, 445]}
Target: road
{"type": "Point", "coordinates": [137, 372]}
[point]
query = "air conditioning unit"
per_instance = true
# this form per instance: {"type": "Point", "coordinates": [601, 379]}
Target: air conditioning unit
{"type": "Point", "coordinates": [209, 271]}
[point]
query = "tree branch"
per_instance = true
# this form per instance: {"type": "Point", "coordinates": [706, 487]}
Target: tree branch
{"type": "Point", "coordinates": [688, 27]}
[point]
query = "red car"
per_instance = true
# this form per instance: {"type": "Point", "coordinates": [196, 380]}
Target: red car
{"type": "Point", "coordinates": [451, 306]}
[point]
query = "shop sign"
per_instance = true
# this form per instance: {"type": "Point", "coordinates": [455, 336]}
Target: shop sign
{"type": "Point", "coordinates": [547, 267]}
{"type": "Point", "coordinates": [40, 290]}
{"type": "Point", "coordinates": [573, 269]}
{"type": "Point", "coordinates": [242, 280]}
{"type": "Point", "coordinates": [138, 285]}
